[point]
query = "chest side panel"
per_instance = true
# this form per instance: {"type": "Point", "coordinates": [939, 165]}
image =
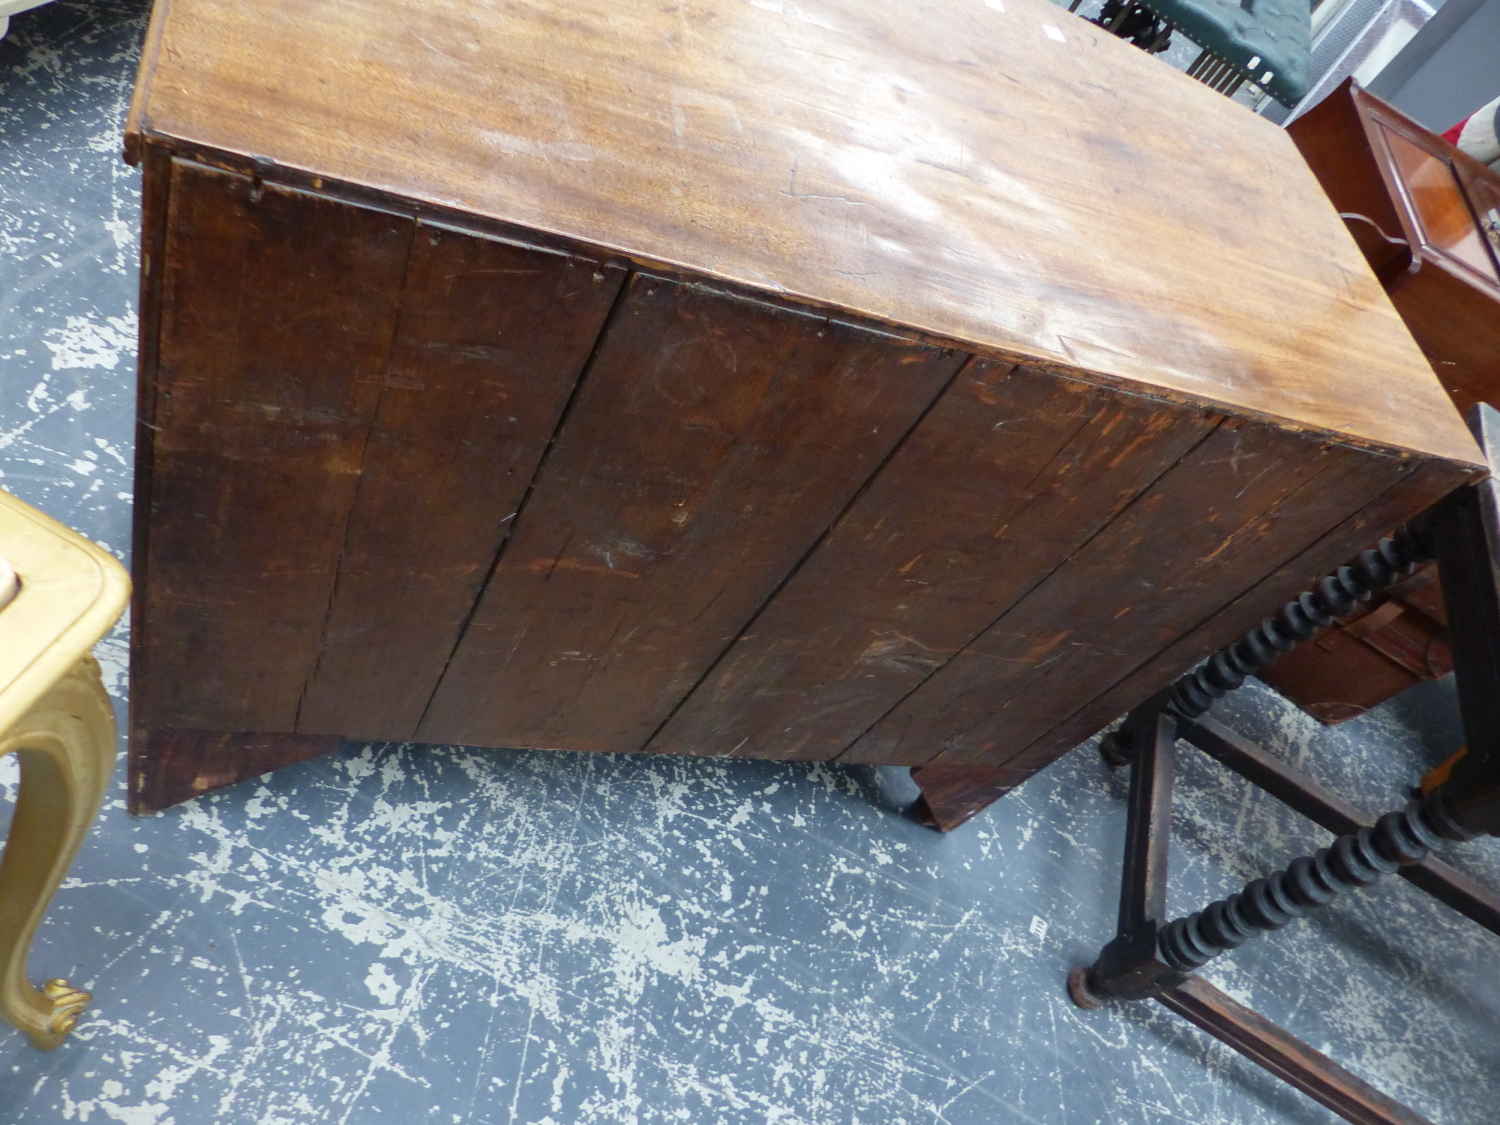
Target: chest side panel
{"type": "Point", "coordinates": [712, 441]}
{"type": "Point", "coordinates": [1414, 490]}
{"type": "Point", "coordinates": [1241, 504]}
{"type": "Point", "coordinates": [1009, 474]}
{"type": "Point", "coordinates": [489, 343]}
{"type": "Point", "coordinates": [348, 407]}
{"type": "Point", "coordinates": [275, 323]}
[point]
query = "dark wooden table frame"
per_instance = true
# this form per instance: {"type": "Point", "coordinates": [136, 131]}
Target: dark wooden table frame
{"type": "Point", "coordinates": [1465, 534]}
{"type": "Point", "coordinates": [1143, 895]}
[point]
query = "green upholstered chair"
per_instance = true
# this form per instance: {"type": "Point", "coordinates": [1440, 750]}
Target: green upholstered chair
{"type": "Point", "coordinates": [1267, 42]}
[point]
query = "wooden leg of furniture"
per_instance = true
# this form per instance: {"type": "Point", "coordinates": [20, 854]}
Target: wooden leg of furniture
{"type": "Point", "coordinates": [169, 766]}
{"type": "Point", "coordinates": [1151, 957]}
{"type": "Point", "coordinates": [952, 795]}
{"type": "Point", "coordinates": [1284, 1055]}
{"type": "Point", "coordinates": [66, 746]}
{"type": "Point", "coordinates": [1299, 791]}
{"type": "Point", "coordinates": [1132, 966]}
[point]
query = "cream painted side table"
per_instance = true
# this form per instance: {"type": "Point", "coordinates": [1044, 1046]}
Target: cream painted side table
{"type": "Point", "coordinates": [59, 594]}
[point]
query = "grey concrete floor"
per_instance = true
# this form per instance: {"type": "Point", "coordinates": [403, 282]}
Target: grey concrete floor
{"type": "Point", "coordinates": [402, 933]}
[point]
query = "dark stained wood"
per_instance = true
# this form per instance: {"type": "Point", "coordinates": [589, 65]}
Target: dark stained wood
{"type": "Point", "coordinates": [817, 250]}
{"type": "Point", "coordinates": [277, 309]}
{"type": "Point", "coordinates": [155, 192]}
{"type": "Point", "coordinates": [1481, 185]}
{"type": "Point", "coordinates": [1148, 579]}
{"type": "Point", "coordinates": [1148, 829]}
{"type": "Point", "coordinates": [713, 440]}
{"type": "Point", "coordinates": [954, 795]}
{"type": "Point", "coordinates": [1416, 489]}
{"type": "Point", "coordinates": [1395, 640]}
{"type": "Point", "coordinates": [491, 339]}
{"type": "Point", "coordinates": [1334, 141]}
{"type": "Point", "coordinates": [1328, 810]}
{"type": "Point", "coordinates": [170, 766]}
{"type": "Point", "coordinates": [1458, 324]}
{"type": "Point", "coordinates": [1468, 543]}
{"type": "Point", "coordinates": [1009, 474]}
{"type": "Point", "coordinates": [1429, 185]}
{"type": "Point", "coordinates": [1285, 1056]}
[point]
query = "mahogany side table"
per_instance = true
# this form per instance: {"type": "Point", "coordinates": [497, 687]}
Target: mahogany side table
{"type": "Point", "coordinates": [1427, 217]}
{"type": "Point", "coordinates": [802, 381]}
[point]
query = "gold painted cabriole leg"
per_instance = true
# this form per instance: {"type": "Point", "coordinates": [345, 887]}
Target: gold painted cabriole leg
{"type": "Point", "coordinates": [66, 746]}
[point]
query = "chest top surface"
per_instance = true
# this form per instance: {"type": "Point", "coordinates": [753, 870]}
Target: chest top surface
{"type": "Point", "coordinates": [997, 173]}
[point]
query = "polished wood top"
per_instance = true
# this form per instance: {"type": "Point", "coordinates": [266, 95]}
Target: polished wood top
{"type": "Point", "coordinates": [996, 173]}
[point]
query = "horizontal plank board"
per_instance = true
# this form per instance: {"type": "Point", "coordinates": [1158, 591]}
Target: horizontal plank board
{"type": "Point", "coordinates": [711, 442]}
{"type": "Point", "coordinates": [1415, 490]}
{"type": "Point", "coordinates": [491, 339]}
{"type": "Point", "coordinates": [1001, 481]}
{"type": "Point", "coordinates": [1010, 180]}
{"type": "Point", "coordinates": [277, 310]}
{"type": "Point", "coordinates": [1242, 503]}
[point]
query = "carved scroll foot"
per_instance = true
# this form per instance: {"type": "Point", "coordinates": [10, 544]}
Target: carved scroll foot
{"type": "Point", "coordinates": [66, 744]}
{"type": "Point", "coordinates": [68, 1003]}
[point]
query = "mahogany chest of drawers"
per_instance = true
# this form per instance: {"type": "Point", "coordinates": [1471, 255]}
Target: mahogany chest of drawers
{"type": "Point", "coordinates": [825, 381]}
{"type": "Point", "coordinates": [1427, 217]}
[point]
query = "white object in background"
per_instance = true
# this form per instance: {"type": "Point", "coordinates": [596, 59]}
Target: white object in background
{"type": "Point", "coordinates": [1387, 47]}
{"type": "Point", "coordinates": [1480, 135]}
{"type": "Point", "coordinates": [9, 8]}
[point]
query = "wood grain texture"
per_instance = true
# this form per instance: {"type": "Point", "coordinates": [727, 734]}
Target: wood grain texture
{"type": "Point", "coordinates": [1373, 160]}
{"type": "Point", "coordinates": [156, 182]}
{"type": "Point", "coordinates": [277, 311]}
{"type": "Point", "coordinates": [1181, 375]}
{"type": "Point", "coordinates": [1004, 478]}
{"type": "Point", "coordinates": [1429, 185]}
{"type": "Point", "coordinates": [1458, 325]}
{"type": "Point", "coordinates": [491, 339]}
{"type": "Point", "coordinates": [1416, 488]}
{"type": "Point", "coordinates": [712, 441]}
{"type": "Point", "coordinates": [964, 174]}
{"type": "Point", "coordinates": [169, 766]}
{"type": "Point", "coordinates": [1386, 645]}
{"type": "Point", "coordinates": [1335, 141]}
{"type": "Point", "coordinates": [1241, 503]}
{"type": "Point", "coordinates": [954, 795]}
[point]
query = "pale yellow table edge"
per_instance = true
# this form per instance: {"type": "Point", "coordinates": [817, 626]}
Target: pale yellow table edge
{"type": "Point", "coordinates": [57, 718]}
